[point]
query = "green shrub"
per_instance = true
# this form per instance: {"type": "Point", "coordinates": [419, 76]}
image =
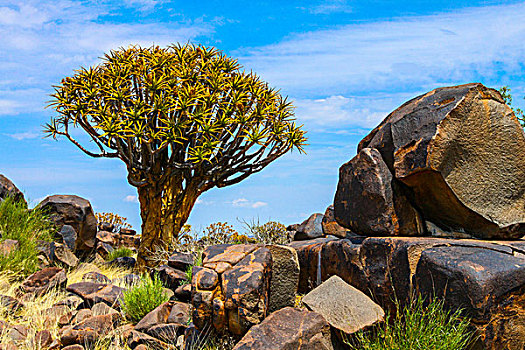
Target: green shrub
{"type": "Point", "coordinates": [119, 253]}
{"type": "Point", "coordinates": [271, 232]}
{"type": "Point", "coordinates": [417, 327]}
{"type": "Point", "coordinates": [143, 297]}
{"type": "Point", "coordinates": [27, 227]}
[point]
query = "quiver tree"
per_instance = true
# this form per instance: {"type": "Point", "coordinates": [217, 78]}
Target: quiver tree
{"type": "Point", "coordinates": [183, 119]}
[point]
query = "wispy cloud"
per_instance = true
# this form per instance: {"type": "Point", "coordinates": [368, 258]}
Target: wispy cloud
{"type": "Point", "coordinates": [44, 41]}
{"type": "Point", "coordinates": [329, 6]}
{"type": "Point", "coordinates": [245, 203]}
{"type": "Point", "coordinates": [413, 53]}
{"type": "Point", "coordinates": [131, 199]}
{"type": "Point", "coordinates": [24, 135]}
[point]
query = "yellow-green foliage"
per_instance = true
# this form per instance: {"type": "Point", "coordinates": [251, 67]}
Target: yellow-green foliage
{"type": "Point", "coordinates": [271, 232]}
{"type": "Point", "coordinates": [120, 253]}
{"type": "Point", "coordinates": [115, 219]}
{"type": "Point", "coordinates": [27, 227]}
{"type": "Point", "coordinates": [143, 297]}
{"type": "Point", "coordinates": [507, 97]}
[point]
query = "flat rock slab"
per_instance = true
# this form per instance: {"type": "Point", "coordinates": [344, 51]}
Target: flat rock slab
{"type": "Point", "coordinates": [343, 306]}
{"type": "Point", "coordinates": [289, 329]}
{"type": "Point", "coordinates": [285, 277]}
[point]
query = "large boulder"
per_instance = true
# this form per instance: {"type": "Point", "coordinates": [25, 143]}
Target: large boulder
{"type": "Point", "coordinates": [455, 155]}
{"type": "Point", "coordinates": [8, 189]}
{"type": "Point", "coordinates": [288, 329]}
{"type": "Point", "coordinates": [231, 290]}
{"type": "Point", "coordinates": [285, 277]}
{"type": "Point", "coordinates": [310, 228]}
{"type": "Point", "coordinates": [76, 212]}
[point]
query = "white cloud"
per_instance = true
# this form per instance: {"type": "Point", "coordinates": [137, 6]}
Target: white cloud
{"type": "Point", "coordinates": [415, 53]}
{"type": "Point", "coordinates": [24, 135]}
{"type": "Point", "coordinates": [245, 203]}
{"type": "Point", "coordinates": [329, 6]}
{"type": "Point", "coordinates": [203, 202]}
{"type": "Point", "coordinates": [43, 41]}
{"type": "Point", "coordinates": [131, 199]}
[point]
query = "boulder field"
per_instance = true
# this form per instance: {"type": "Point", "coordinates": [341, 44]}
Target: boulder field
{"type": "Point", "coordinates": [433, 203]}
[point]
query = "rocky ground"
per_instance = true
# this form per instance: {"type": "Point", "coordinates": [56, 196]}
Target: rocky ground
{"type": "Point", "coordinates": [432, 206]}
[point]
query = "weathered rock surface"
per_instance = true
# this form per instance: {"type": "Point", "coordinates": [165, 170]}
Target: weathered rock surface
{"type": "Point", "coordinates": [344, 307]}
{"type": "Point", "coordinates": [311, 228]}
{"type": "Point", "coordinates": [231, 291]}
{"type": "Point", "coordinates": [44, 280]}
{"type": "Point", "coordinates": [367, 200]}
{"type": "Point", "coordinates": [180, 261]}
{"type": "Point", "coordinates": [289, 329]}
{"type": "Point", "coordinates": [8, 246]}
{"type": "Point", "coordinates": [8, 189]}
{"type": "Point", "coordinates": [285, 277]}
{"type": "Point", "coordinates": [445, 151]}
{"type": "Point", "coordinates": [171, 277]}
{"type": "Point", "coordinates": [484, 278]}
{"type": "Point", "coordinates": [76, 212]}
{"type": "Point", "coordinates": [332, 227]}
{"type": "Point", "coordinates": [89, 330]}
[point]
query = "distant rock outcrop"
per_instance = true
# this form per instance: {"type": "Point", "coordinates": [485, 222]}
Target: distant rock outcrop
{"type": "Point", "coordinates": [453, 157]}
{"type": "Point", "coordinates": [8, 189]}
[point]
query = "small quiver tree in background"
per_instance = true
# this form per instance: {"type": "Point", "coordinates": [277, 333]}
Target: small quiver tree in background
{"type": "Point", "coordinates": [183, 119]}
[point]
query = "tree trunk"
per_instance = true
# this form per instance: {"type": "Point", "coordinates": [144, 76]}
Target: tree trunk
{"type": "Point", "coordinates": [162, 219]}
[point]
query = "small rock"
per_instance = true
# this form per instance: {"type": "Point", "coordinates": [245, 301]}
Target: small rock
{"type": "Point", "coordinates": [108, 237]}
{"type": "Point", "coordinates": [170, 277]}
{"type": "Point", "coordinates": [11, 304]}
{"type": "Point", "coordinates": [8, 189]}
{"type": "Point", "coordinates": [180, 313]}
{"type": "Point", "coordinates": [8, 246]}
{"type": "Point", "coordinates": [344, 307]}
{"type": "Point", "coordinates": [183, 293]}
{"type": "Point", "coordinates": [65, 256]}
{"type": "Point", "coordinates": [127, 231]}
{"type": "Point", "coordinates": [104, 249]}
{"type": "Point", "coordinates": [74, 347]}
{"type": "Point", "coordinates": [96, 277]}
{"type": "Point", "coordinates": [44, 280]}
{"type": "Point", "coordinates": [206, 279]}
{"type": "Point", "coordinates": [180, 261]}
{"type": "Point", "coordinates": [159, 315]}
{"type": "Point", "coordinates": [138, 338]}
{"type": "Point", "coordinates": [82, 314]}
{"type": "Point", "coordinates": [42, 339]}
{"type": "Point", "coordinates": [17, 333]}
{"type": "Point", "coordinates": [102, 309]}
{"type": "Point", "coordinates": [311, 228]}
{"type": "Point", "coordinates": [69, 236]}
{"type": "Point", "coordinates": [167, 332]}
{"type": "Point", "coordinates": [106, 226]}
{"type": "Point", "coordinates": [288, 328]}
{"type": "Point", "coordinates": [89, 330]}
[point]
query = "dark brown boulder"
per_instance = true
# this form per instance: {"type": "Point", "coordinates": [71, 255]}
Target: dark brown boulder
{"type": "Point", "coordinates": [170, 277]}
{"type": "Point", "coordinates": [285, 277]}
{"type": "Point", "coordinates": [310, 228]}
{"type": "Point", "coordinates": [89, 330]}
{"type": "Point", "coordinates": [460, 154]}
{"type": "Point", "coordinates": [44, 281]}
{"type": "Point", "coordinates": [180, 261]}
{"type": "Point", "coordinates": [369, 201]}
{"type": "Point", "coordinates": [8, 189]}
{"type": "Point", "coordinates": [332, 227]}
{"type": "Point", "coordinates": [288, 329]}
{"type": "Point", "coordinates": [76, 212]}
{"type": "Point", "coordinates": [159, 315]}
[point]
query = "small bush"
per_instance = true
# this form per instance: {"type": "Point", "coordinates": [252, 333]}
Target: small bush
{"type": "Point", "coordinates": [119, 253]}
{"type": "Point", "coordinates": [143, 297]}
{"type": "Point", "coordinates": [115, 219]}
{"type": "Point", "coordinates": [27, 227]}
{"type": "Point", "coordinates": [271, 232]}
{"type": "Point", "coordinates": [417, 327]}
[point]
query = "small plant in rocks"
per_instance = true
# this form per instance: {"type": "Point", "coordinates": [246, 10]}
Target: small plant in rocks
{"type": "Point", "coordinates": [27, 227]}
{"type": "Point", "coordinates": [143, 297]}
{"type": "Point", "coordinates": [119, 253]}
{"type": "Point", "coordinates": [417, 326]}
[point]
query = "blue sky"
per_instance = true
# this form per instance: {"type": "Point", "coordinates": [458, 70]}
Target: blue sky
{"type": "Point", "coordinates": [345, 64]}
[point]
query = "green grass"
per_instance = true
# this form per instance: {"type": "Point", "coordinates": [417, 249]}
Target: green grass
{"type": "Point", "coordinates": [119, 253]}
{"type": "Point", "coordinates": [189, 270]}
{"type": "Point", "coordinates": [27, 227]}
{"type": "Point", "coordinates": [143, 297]}
{"type": "Point", "coordinates": [417, 327]}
